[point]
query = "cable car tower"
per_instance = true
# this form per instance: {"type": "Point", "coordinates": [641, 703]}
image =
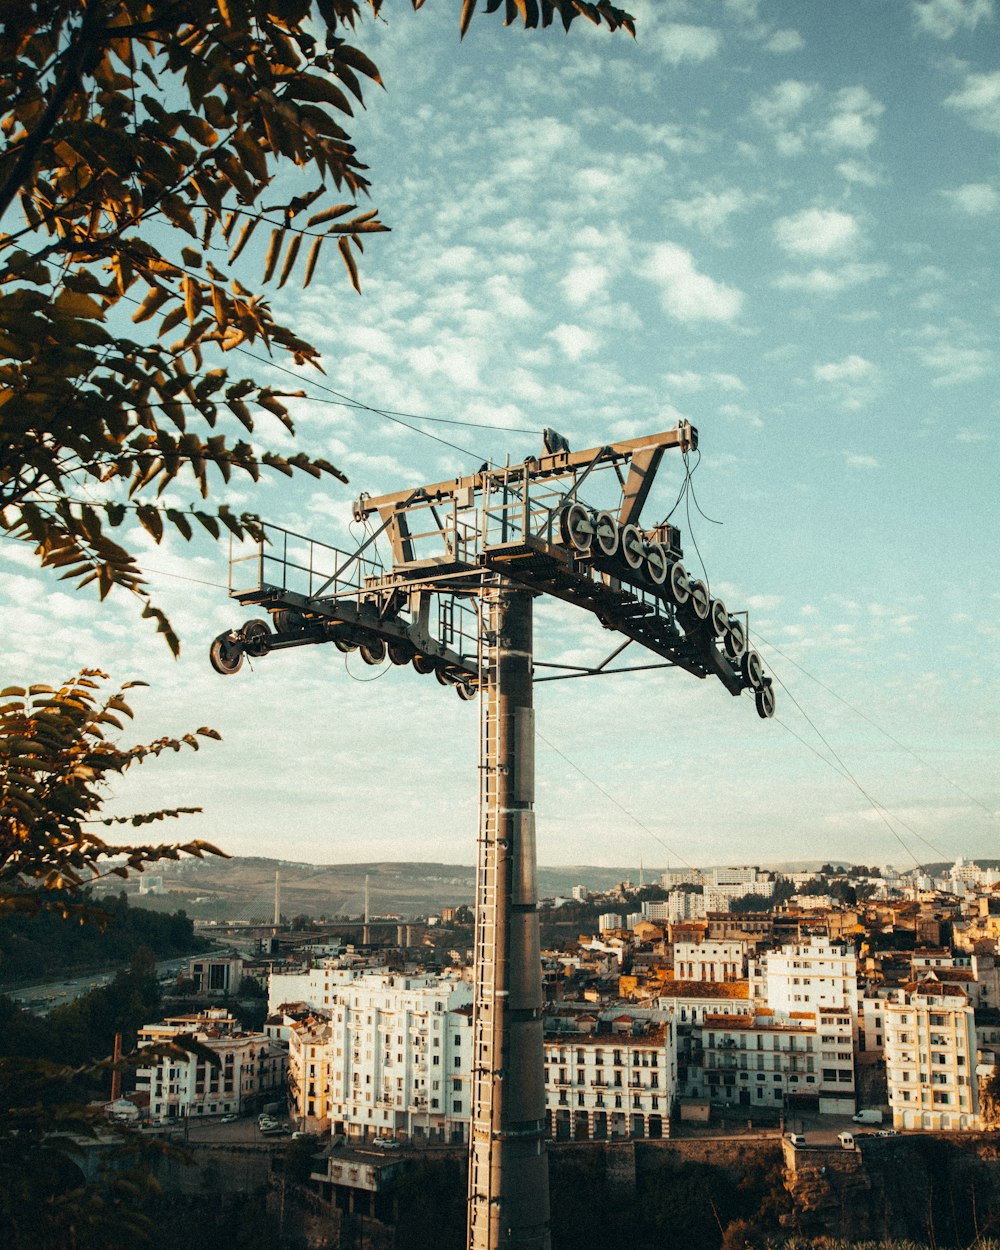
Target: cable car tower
{"type": "Point", "coordinates": [468, 558]}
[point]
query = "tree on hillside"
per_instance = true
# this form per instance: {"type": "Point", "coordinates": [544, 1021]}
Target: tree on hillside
{"type": "Point", "coordinates": [144, 140]}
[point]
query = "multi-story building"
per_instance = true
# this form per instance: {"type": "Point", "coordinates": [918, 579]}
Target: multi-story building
{"type": "Point", "coordinates": [251, 1067]}
{"type": "Point", "coordinates": [930, 1056]}
{"type": "Point", "coordinates": [309, 1071]}
{"type": "Point", "coordinates": [315, 987]}
{"type": "Point", "coordinates": [400, 1057]}
{"type": "Point", "coordinates": [216, 974]}
{"type": "Point", "coordinates": [761, 1060]}
{"type": "Point", "coordinates": [817, 977]}
{"type": "Point", "coordinates": [611, 1076]}
{"type": "Point", "coordinates": [709, 960]}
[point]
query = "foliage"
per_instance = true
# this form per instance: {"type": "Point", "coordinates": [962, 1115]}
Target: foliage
{"type": "Point", "coordinates": [83, 1031]}
{"type": "Point", "coordinates": [142, 140]}
{"type": "Point", "coordinates": [33, 947]}
{"type": "Point", "coordinates": [56, 760]}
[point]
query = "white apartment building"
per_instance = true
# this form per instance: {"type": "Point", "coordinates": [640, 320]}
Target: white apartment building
{"type": "Point", "coordinates": [681, 876]}
{"type": "Point", "coordinates": [760, 1060]}
{"type": "Point", "coordinates": [710, 960]}
{"type": "Point", "coordinates": [316, 987]}
{"type": "Point", "coordinates": [251, 1066]}
{"type": "Point", "coordinates": [611, 1076]}
{"type": "Point", "coordinates": [930, 1057]}
{"type": "Point", "coordinates": [609, 920]}
{"type": "Point", "coordinates": [400, 1057]}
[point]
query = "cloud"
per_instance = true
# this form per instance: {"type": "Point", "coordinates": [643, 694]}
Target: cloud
{"type": "Point", "coordinates": [799, 114]}
{"type": "Point", "coordinates": [850, 369]}
{"type": "Point", "coordinates": [785, 101]}
{"type": "Point", "coordinates": [831, 281]}
{"type": "Point", "coordinates": [584, 281]}
{"type": "Point", "coordinates": [817, 232]}
{"type": "Point", "coordinates": [783, 41]}
{"type": "Point", "coordinates": [710, 211]}
{"type": "Point", "coordinates": [856, 461]}
{"type": "Point", "coordinates": [956, 364]}
{"type": "Point", "coordinates": [974, 198]}
{"type": "Point", "coordinates": [979, 100]}
{"type": "Point", "coordinates": [945, 18]}
{"type": "Point", "coordinates": [854, 381]}
{"type": "Point", "coordinates": [574, 341]}
{"type": "Point", "coordinates": [677, 42]}
{"type": "Point", "coordinates": [686, 294]}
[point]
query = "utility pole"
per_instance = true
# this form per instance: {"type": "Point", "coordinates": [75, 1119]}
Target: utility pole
{"type": "Point", "coordinates": [480, 549]}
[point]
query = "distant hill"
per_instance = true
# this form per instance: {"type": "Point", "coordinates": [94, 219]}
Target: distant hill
{"type": "Point", "coordinates": [243, 888]}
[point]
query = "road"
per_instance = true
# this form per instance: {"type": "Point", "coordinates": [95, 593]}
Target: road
{"type": "Point", "coordinates": [41, 998]}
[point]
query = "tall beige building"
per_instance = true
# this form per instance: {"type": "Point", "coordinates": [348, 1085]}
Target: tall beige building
{"type": "Point", "coordinates": [930, 1057]}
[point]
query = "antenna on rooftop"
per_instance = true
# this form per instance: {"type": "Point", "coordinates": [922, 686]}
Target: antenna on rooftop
{"type": "Point", "coordinates": [467, 559]}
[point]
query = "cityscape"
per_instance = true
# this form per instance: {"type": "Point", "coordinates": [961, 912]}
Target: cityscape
{"type": "Point", "coordinates": [831, 1015]}
{"type": "Point", "coordinates": [497, 734]}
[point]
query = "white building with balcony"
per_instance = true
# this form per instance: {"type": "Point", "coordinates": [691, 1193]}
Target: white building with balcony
{"type": "Point", "coordinates": [251, 1067]}
{"type": "Point", "coordinates": [611, 1076]}
{"type": "Point", "coordinates": [400, 1057]}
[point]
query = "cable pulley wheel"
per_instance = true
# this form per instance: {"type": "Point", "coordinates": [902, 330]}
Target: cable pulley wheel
{"type": "Point", "coordinates": [576, 525]}
{"type": "Point", "coordinates": [398, 653]}
{"type": "Point", "coordinates": [764, 700]}
{"type": "Point", "coordinates": [680, 586]}
{"type": "Point", "coordinates": [656, 563]}
{"type": "Point", "coordinates": [423, 664]}
{"type": "Point", "coordinates": [287, 620]}
{"type": "Point", "coordinates": [372, 651]}
{"type": "Point", "coordinates": [719, 618]}
{"type": "Point", "coordinates": [700, 600]}
{"type": "Point", "coordinates": [226, 655]}
{"type": "Point", "coordinates": [632, 546]}
{"type": "Point", "coordinates": [607, 535]}
{"type": "Point", "coordinates": [345, 644]}
{"type": "Point", "coordinates": [256, 638]}
{"type": "Point", "coordinates": [466, 691]}
{"type": "Point", "coordinates": [752, 668]}
{"type": "Point", "coordinates": [734, 640]}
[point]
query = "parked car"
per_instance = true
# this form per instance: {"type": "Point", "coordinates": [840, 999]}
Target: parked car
{"type": "Point", "coordinates": [229, 1117]}
{"type": "Point", "coordinates": [797, 1139]}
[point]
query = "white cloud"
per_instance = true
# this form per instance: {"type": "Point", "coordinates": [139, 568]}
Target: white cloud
{"type": "Point", "coordinates": [979, 99]}
{"type": "Point", "coordinates": [850, 369]}
{"type": "Point", "coordinates": [817, 232]}
{"type": "Point", "coordinates": [686, 294]}
{"type": "Point", "coordinates": [677, 42]}
{"type": "Point", "coordinates": [945, 18]}
{"type": "Point", "coordinates": [857, 171]}
{"type": "Point", "coordinates": [956, 364]}
{"type": "Point", "coordinates": [783, 41]}
{"type": "Point", "coordinates": [710, 211]}
{"type": "Point", "coordinates": [784, 102]}
{"type": "Point", "coordinates": [574, 341]}
{"type": "Point", "coordinates": [831, 281]}
{"type": "Point", "coordinates": [584, 281]}
{"type": "Point", "coordinates": [856, 461]}
{"type": "Point", "coordinates": [853, 122]}
{"type": "Point", "coordinates": [975, 198]}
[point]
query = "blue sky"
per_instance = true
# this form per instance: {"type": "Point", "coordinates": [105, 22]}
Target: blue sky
{"type": "Point", "coordinates": [777, 221]}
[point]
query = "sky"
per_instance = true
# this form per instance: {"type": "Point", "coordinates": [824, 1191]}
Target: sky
{"type": "Point", "coordinates": [777, 221]}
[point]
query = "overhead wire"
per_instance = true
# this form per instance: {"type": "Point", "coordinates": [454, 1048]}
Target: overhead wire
{"type": "Point", "coordinates": [878, 808]}
{"type": "Point", "coordinates": [875, 725]}
{"type": "Point", "coordinates": [611, 798]}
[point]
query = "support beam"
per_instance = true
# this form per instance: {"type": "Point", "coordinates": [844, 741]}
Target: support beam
{"type": "Point", "coordinates": [508, 1168]}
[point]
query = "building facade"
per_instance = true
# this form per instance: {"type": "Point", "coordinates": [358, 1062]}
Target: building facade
{"type": "Point", "coordinates": [251, 1068]}
{"type": "Point", "coordinates": [930, 1056]}
{"type": "Point", "coordinates": [611, 1076]}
